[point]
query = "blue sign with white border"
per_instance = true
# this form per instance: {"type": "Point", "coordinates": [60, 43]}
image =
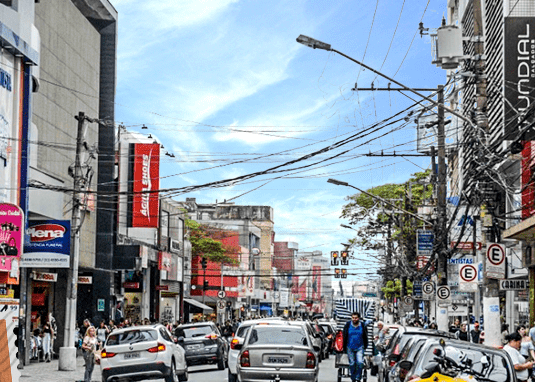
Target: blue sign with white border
{"type": "Point", "coordinates": [49, 246]}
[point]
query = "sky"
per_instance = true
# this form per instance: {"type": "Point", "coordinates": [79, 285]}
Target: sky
{"type": "Point", "coordinates": [228, 91]}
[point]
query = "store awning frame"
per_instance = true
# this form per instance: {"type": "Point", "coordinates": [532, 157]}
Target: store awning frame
{"type": "Point", "coordinates": [198, 304]}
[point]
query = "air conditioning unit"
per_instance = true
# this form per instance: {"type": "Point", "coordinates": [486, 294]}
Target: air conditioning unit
{"type": "Point", "coordinates": [174, 245]}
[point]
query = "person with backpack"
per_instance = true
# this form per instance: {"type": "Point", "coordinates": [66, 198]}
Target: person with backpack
{"type": "Point", "coordinates": [355, 341]}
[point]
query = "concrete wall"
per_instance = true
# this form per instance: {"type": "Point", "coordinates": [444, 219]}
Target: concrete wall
{"type": "Point", "coordinates": [69, 72]}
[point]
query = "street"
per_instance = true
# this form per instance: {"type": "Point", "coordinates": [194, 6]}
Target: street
{"type": "Point", "coordinates": [45, 372]}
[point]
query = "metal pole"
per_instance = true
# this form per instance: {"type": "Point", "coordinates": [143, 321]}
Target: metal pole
{"type": "Point", "coordinates": [67, 354]}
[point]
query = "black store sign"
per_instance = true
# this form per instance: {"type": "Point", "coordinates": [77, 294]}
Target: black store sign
{"type": "Point", "coordinates": [519, 73]}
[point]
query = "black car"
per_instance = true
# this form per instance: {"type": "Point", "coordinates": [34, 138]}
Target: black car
{"type": "Point", "coordinates": [203, 343]}
{"type": "Point", "coordinates": [392, 354]}
{"type": "Point", "coordinates": [330, 334]}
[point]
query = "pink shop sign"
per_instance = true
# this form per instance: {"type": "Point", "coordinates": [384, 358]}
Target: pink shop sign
{"type": "Point", "coordinates": [11, 231]}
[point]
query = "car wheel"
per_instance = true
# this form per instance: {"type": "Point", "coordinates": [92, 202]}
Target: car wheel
{"type": "Point", "coordinates": [232, 377]}
{"type": "Point", "coordinates": [184, 377]}
{"type": "Point", "coordinates": [221, 362]}
{"type": "Point", "coordinates": [172, 377]}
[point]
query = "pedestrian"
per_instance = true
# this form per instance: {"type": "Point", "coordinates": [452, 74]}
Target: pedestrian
{"type": "Point", "coordinates": [112, 326]}
{"type": "Point", "coordinates": [86, 324]}
{"type": "Point", "coordinates": [505, 333]}
{"type": "Point", "coordinates": [48, 333]}
{"type": "Point", "coordinates": [462, 334]}
{"type": "Point", "coordinates": [355, 340]}
{"type": "Point", "coordinates": [475, 333]}
{"type": "Point", "coordinates": [454, 328]}
{"type": "Point", "coordinates": [89, 346]}
{"type": "Point", "coordinates": [527, 349]}
{"type": "Point", "coordinates": [102, 333]}
{"type": "Point", "coordinates": [380, 335]}
{"type": "Point", "coordinates": [512, 347]}
{"type": "Point", "coordinates": [433, 325]}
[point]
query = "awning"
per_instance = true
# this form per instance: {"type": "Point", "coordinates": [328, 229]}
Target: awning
{"type": "Point", "coordinates": [197, 304]}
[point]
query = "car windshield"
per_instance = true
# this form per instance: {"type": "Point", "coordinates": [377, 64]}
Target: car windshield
{"type": "Point", "coordinates": [496, 370]}
{"type": "Point", "coordinates": [270, 335]}
{"type": "Point", "coordinates": [194, 331]}
{"type": "Point", "coordinates": [132, 337]}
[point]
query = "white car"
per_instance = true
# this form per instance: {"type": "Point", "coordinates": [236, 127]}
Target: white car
{"type": "Point", "coordinates": [143, 352]}
{"type": "Point", "coordinates": [237, 341]}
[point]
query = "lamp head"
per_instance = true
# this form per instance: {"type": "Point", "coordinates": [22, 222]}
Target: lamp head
{"type": "Point", "coordinates": [312, 43]}
{"type": "Point", "coordinates": [337, 182]}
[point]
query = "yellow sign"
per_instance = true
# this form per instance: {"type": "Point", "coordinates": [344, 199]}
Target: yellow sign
{"type": "Point", "coordinates": [10, 294]}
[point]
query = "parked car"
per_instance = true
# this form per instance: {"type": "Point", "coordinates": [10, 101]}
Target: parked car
{"type": "Point", "coordinates": [483, 362]}
{"type": "Point", "coordinates": [409, 353]}
{"type": "Point", "coordinates": [392, 353]}
{"type": "Point", "coordinates": [278, 352]}
{"type": "Point", "coordinates": [143, 352]}
{"type": "Point", "coordinates": [203, 343]}
{"type": "Point", "coordinates": [237, 341]}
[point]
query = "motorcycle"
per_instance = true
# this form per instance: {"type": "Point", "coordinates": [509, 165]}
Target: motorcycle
{"type": "Point", "coordinates": [452, 365]}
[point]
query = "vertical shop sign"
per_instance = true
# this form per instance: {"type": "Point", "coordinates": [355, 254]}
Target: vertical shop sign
{"type": "Point", "coordinates": [519, 66]}
{"type": "Point", "coordinates": [146, 182]}
{"type": "Point", "coordinates": [164, 262]}
{"type": "Point", "coordinates": [316, 283]}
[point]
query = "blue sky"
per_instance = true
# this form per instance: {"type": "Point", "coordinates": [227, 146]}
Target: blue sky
{"type": "Point", "coordinates": [223, 81]}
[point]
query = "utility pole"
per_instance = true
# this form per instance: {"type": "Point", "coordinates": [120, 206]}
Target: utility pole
{"type": "Point", "coordinates": [441, 234]}
{"type": "Point", "coordinates": [491, 300]}
{"type": "Point", "coordinates": [67, 353]}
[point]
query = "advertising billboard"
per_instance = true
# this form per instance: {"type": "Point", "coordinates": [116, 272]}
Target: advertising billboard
{"type": "Point", "coordinates": [50, 244]}
{"type": "Point", "coordinates": [146, 182]}
{"type": "Point", "coordinates": [519, 65]}
{"type": "Point", "coordinates": [316, 282]}
{"type": "Point", "coordinates": [11, 236]}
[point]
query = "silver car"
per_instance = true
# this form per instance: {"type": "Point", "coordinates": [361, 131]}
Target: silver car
{"type": "Point", "coordinates": [237, 341]}
{"type": "Point", "coordinates": [277, 352]}
{"type": "Point", "coordinates": [143, 352]}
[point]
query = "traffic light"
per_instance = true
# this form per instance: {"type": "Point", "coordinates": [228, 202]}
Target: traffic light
{"type": "Point", "coordinates": [204, 263]}
{"type": "Point", "coordinates": [205, 285]}
{"type": "Point", "coordinates": [334, 258]}
{"type": "Point", "coordinates": [344, 273]}
{"type": "Point", "coordinates": [345, 257]}
{"type": "Point", "coordinates": [336, 273]}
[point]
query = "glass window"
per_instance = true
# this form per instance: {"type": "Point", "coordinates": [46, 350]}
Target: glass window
{"type": "Point", "coordinates": [132, 337]}
{"type": "Point", "coordinates": [270, 335]}
{"type": "Point", "coordinates": [242, 331]}
{"type": "Point", "coordinates": [165, 335]}
{"type": "Point", "coordinates": [198, 331]}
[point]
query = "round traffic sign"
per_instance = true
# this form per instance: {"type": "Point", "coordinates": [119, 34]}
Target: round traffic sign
{"type": "Point", "coordinates": [428, 287]}
{"type": "Point", "coordinates": [443, 292]}
{"type": "Point", "coordinates": [468, 273]}
{"type": "Point", "coordinates": [408, 300]}
{"type": "Point", "coordinates": [495, 254]}
{"type": "Point", "coordinates": [221, 304]}
{"type": "Point", "coordinates": [221, 294]}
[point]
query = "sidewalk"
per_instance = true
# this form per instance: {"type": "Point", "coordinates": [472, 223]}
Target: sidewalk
{"type": "Point", "coordinates": [48, 371]}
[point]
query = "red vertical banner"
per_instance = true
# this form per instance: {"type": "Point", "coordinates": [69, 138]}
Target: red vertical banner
{"type": "Point", "coordinates": [303, 290]}
{"type": "Point", "coordinates": [316, 283]}
{"type": "Point", "coordinates": [146, 182]}
{"type": "Point", "coordinates": [528, 186]}
{"type": "Point", "coordinates": [295, 284]}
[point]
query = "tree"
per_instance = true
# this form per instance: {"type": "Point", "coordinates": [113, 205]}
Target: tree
{"type": "Point", "coordinates": [207, 242]}
{"type": "Point", "coordinates": [393, 288]}
{"type": "Point", "coordinates": [379, 226]}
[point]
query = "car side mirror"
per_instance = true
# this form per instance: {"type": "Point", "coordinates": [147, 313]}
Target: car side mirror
{"type": "Point", "coordinates": [406, 365]}
{"type": "Point", "coordinates": [393, 357]}
{"type": "Point", "coordinates": [317, 348]}
{"type": "Point", "coordinates": [180, 339]}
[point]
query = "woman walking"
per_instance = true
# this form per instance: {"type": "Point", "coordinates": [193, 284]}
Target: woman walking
{"type": "Point", "coordinates": [89, 346]}
{"type": "Point", "coordinates": [48, 334]}
{"type": "Point", "coordinates": [102, 333]}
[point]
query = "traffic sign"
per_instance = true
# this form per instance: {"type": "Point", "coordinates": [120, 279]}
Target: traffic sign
{"type": "Point", "coordinates": [407, 300]}
{"type": "Point", "coordinates": [417, 289]}
{"type": "Point", "coordinates": [495, 261]}
{"type": "Point", "coordinates": [444, 295]}
{"type": "Point", "coordinates": [468, 273]}
{"type": "Point", "coordinates": [221, 304]}
{"type": "Point", "coordinates": [428, 289]}
{"type": "Point", "coordinates": [221, 294]}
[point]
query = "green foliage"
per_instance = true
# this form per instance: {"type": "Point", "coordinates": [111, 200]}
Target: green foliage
{"type": "Point", "coordinates": [206, 242]}
{"type": "Point", "coordinates": [393, 288]}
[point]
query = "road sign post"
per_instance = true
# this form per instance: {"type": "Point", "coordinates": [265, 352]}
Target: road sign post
{"type": "Point", "coordinates": [443, 295]}
{"type": "Point", "coordinates": [495, 261]}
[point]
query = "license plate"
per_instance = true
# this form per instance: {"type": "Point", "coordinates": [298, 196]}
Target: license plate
{"type": "Point", "coordinates": [280, 360]}
{"type": "Point", "coordinates": [131, 355]}
{"type": "Point", "coordinates": [193, 347]}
